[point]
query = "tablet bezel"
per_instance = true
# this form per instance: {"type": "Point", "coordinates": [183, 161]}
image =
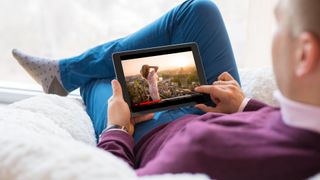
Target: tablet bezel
{"type": "Point", "coordinates": [162, 50]}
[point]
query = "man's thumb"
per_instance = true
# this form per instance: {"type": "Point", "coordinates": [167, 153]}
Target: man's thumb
{"type": "Point", "coordinates": [116, 88]}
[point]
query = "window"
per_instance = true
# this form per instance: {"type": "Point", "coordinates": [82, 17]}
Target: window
{"type": "Point", "coordinates": [64, 28]}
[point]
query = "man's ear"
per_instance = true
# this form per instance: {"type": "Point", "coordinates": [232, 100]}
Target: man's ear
{"type": "Point", "coordinates": [308, 54]}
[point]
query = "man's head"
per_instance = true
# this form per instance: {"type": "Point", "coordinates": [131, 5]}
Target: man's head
{"type": "Point", "coordinates": [296, 50]}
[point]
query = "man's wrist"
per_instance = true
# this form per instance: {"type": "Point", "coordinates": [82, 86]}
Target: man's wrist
{"type": "Point", "coordinates": [111, 127]}
{"type": "Point", "coordinates": [117, 127]}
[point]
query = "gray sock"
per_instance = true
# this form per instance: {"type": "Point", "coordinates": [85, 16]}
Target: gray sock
{"type": "Point", "coordinates": [45, 71]}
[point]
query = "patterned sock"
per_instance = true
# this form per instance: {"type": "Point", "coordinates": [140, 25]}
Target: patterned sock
{"type": "Point", "coordinates": [45, 71]}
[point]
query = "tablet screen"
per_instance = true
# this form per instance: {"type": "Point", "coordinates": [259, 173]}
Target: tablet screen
{"type": "Point", "coordinates": [161, 79]}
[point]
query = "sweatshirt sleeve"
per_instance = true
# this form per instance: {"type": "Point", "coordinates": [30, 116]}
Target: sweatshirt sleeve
{"type": "Point", "coordinates": [254, 105]}
{"type": "Point", "coordinates": [120, 144]}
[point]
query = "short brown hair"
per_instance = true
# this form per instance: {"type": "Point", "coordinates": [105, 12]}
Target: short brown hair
{"type": "Point", "coordinates": [305, 16]}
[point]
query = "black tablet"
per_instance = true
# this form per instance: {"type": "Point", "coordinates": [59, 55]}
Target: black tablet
{"type": "Point", "coordinates": [160, 78]}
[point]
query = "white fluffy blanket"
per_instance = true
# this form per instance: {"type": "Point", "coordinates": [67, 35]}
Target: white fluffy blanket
{"type": "Point", "coordinates": [50, 137]}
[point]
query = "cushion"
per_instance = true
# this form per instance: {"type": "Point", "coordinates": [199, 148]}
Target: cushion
{"type": "Point", "coordinates": [259, 84]}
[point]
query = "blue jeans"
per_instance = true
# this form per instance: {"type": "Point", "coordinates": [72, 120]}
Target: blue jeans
{"type": "Point", "coordinates": [193, 21]}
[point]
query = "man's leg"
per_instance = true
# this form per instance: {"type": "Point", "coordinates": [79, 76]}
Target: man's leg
{"type": "Point", "coordinates": [193, 21]}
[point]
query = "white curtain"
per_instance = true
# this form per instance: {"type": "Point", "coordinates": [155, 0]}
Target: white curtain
{"type": "Point", "coordinates": [250, 25]}
{"type": "Point", "coordinates": [261, 23]}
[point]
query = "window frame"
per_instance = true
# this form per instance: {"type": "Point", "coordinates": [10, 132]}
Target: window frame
{"type": "Point", "coordinates": [12, 92]}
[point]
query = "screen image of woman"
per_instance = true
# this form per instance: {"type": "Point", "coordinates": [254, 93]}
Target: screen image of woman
{"type": "Point", "coordinates": [150, 74]}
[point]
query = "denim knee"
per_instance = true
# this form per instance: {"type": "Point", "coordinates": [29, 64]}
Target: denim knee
{"type": "Point", "coordinates": [197, 9]}
{"type": "Point", "coordinates": [203, 7]}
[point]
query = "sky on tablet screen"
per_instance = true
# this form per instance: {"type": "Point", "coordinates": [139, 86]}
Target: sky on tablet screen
{"type": "Point", "coordinates": [164, 62]}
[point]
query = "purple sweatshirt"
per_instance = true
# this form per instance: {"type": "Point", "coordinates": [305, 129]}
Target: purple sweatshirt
{"type": "Point", "coordinates": [254, 144]}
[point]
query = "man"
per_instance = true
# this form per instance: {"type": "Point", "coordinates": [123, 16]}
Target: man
{"type": "Point", "coordinates": [261, 142]}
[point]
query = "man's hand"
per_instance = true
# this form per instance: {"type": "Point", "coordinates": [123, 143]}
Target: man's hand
{"type": "Point", "coordinates": [119, 112]}
{"type": "Point", "coordinates": [225, 93]}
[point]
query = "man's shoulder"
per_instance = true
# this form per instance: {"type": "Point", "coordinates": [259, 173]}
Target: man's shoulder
{"type": "Point", "coordinates": [255, 129]}
{"type": "Point", "coordinates": [245, 140]}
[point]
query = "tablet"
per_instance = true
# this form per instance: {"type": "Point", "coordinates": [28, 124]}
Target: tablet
{"type": "Point", "coordinates": [160, 78]}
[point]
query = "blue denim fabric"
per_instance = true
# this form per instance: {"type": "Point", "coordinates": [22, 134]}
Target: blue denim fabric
{"type": "Point", "coordinates": [193, 21]}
